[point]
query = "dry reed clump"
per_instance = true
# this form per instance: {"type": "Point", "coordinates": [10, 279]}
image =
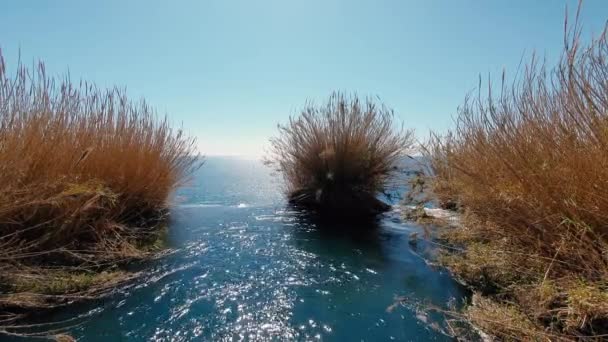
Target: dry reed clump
{"type": "Point", "coordinates": [336, 158]}
{"type": "Point", "coordinates": [529, 169]}
{"type": "Point", "coordinates": [84, 179]}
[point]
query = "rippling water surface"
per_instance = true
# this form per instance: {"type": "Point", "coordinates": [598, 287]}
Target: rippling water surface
{"type": "Point", "coordinates": [248, 268]}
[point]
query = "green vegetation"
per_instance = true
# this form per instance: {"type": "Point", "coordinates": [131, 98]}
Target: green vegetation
{"type": "Point", "coordinates": [336, 158]}
{"type": "Point", "coordinates": [528, 169]}
{"type": "Point", "coordinates": [84, 179]}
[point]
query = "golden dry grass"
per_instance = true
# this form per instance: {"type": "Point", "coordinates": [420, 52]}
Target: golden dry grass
{"type": "Point", "coordinates": [529, 168]}
{"type": "Point", "coordinates": [340, 155]}
{"type": "Point", "coordinates": [85, 175]}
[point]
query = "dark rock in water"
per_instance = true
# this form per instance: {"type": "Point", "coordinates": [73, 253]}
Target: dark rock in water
{"type": "Point", "coordinates": [339, 204]}
{"type": "Point", "coordinates": [413, 239]}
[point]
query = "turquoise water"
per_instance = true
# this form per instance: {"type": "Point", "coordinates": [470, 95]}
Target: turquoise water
{"type": "Point", "coordinates": [246, 267]}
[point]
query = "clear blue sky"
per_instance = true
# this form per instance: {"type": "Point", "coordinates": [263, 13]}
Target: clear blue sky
{"type": "Point", "coordinates": [230, 70]}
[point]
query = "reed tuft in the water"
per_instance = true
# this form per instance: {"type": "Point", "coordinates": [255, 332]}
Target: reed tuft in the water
{"type": "Point", "coordinates": [85, 176]}
{"type": "Point", "coordinates": [337, 157]}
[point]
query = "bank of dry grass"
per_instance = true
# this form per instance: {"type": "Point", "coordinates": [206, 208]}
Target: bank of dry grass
{"type": "Point", "coordinates": [338, 156]}
{"type": "Point", "coordinates": [85, 175]}
{"type": "Point", "coordinates": [528, 167]}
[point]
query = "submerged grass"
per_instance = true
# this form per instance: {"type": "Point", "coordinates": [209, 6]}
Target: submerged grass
{"type": "Point", "coordinates": [85, 175]}
{"type": "Point", "coordinates": [337, 157]}
{"type": "Point", "coordinates": [528, 168]}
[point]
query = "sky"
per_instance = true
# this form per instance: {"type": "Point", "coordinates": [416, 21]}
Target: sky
{"type": "Point", "coordinates": [229, 71]}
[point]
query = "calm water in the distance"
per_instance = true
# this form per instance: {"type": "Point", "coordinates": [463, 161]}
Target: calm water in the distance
{"type": "Point", "coordinates": [249, 268]}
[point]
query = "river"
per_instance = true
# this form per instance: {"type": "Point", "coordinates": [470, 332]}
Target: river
{"type": "Point", "coordinates": [246, 267]}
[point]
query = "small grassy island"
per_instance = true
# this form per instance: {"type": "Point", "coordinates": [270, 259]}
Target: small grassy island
{"type": "Point", "coordinates": [527, 170]}
{"type": "Point", "coordinates": [338, 157]}
{"type": "Point", "coordinates": [85, 175]}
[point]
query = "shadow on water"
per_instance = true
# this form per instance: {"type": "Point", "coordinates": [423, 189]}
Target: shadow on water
{"type": "Point", "coordinates": [358, 229]}
{"type": "Point", "coordinates": [375, 278]}
{"type": "Point", "coordinates": [330, 236]}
